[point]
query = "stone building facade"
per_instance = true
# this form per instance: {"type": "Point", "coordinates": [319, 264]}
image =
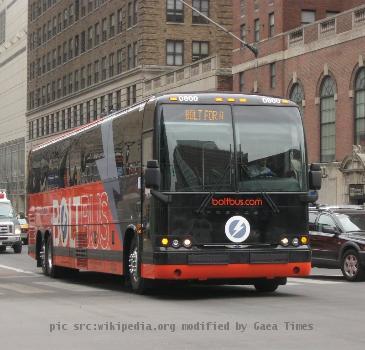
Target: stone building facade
{"type": "Point", "coordinates": [13, 92]}
{"type": "Point", "coordinates": [88, 58]}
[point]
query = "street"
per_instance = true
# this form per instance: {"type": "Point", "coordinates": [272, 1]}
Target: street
{"type": "Point", "coordinates": [90, 311]}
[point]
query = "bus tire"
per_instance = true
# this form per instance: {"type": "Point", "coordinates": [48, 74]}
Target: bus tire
{"type": "Point", "coordinates": [137, 283]}
{"type": "Point", "coordinates": [49, 268]}
{"type": "Point", "coordinates": [266, 286]}
{"type": "Point", "coordinates": [2, 248]}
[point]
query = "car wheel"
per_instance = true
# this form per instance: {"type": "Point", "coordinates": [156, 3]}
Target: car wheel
{"type": "Point", "coordinates": [2, 248]}
{"type": "Point", "coordinates": [138, 284]}
{"type": "Point", "coordinates": [266, 286]}
{"type": "Point", "coordinates": [18, 248]}
{"type": "Point", "coordinates": [351, 266]}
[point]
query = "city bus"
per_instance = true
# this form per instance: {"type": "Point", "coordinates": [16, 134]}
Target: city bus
{"type": "Point", "coordinates": [202, 187]}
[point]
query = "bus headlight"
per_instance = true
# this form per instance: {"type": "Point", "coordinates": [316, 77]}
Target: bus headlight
{"type": "Point", "coordinates": [164, 241]}
{"type": "Point", "coordinates": [295, 242]}
{"type": "Point", "coordinates": [175, 243]}
{"type": "Point", "coordinates": [284, 242]}
{"type": "Point", "coordinates": [17, 230]}
{"type": "Point", "coordinates": [187, 243]}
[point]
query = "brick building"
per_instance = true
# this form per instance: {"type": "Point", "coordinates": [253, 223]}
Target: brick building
{"type": "Point", "coordinates": [87, 58]}
{"type": "Point", "coordinates": [313, 53]}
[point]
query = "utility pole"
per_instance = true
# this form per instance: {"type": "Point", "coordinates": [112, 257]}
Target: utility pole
{"type": "Point", "coordinates": [252, 48]}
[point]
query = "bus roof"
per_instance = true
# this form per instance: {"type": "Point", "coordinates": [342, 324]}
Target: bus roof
{"type": "Point", "coordinates": [217, 98]}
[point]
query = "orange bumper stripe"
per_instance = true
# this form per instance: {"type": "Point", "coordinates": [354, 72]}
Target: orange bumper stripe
{"type": "Point", "coordinates": [205, 272]}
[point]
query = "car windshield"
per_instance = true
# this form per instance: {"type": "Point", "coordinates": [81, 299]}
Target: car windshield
{"type": "Point", "coordinates": [352, 222]}
{"type": "Point", "coordinates": [6, 210]}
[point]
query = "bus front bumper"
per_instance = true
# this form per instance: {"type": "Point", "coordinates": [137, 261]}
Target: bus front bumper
{"type": "Point", "coordinates": [274, 263]}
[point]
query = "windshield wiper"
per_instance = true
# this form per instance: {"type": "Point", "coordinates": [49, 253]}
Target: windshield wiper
{"type": "Point", "coordinates": [274, 208]}
{"type": "Point", "coordinates": [218, 184]}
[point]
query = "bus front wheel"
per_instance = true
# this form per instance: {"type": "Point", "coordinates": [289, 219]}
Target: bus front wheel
{"type": "Point", "coordinates": [137, 283]}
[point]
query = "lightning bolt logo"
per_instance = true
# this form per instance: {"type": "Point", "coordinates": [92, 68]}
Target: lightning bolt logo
{"type": "Point", "coordinates": [237, 229]}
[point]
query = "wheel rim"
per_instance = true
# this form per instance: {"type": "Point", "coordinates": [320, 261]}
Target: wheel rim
{"type": "Point", "coordinates": [351, 265]}
{"type": "Point", "coordinates": [42, 254]}
{"type": "Point", "coordinates": [49, 255]}
{"type": "Point", "coordinates": [133, 264]}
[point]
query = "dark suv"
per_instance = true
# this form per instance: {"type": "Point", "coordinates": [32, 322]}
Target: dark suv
{"type": "Point", "coordinates": [337, 236]}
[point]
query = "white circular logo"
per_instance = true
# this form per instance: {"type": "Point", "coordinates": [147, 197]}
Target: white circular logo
{"type": "Point", "coordinates": [237, 229]}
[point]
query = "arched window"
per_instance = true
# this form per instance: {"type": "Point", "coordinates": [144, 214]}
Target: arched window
{"type": "Point", "coordinates": [297, 95]}
{"type": "Point", "coordinates": [360, 107]}
{"type": "Point", "coordinates": [328, 120]}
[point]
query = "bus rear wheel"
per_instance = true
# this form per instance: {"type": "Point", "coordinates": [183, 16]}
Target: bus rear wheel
{"type": "Point", "coordinates": [138, 284]}
{"type": "Point", "coordinates": [48, 267]}
{"type": "Point", "coordinates": [267, 286]}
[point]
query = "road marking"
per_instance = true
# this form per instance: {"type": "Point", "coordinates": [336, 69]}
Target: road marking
{"type": "Point", "coordinates": [70, 286]}
{"type": "Point", "coordinates": [314, 281]}
{"type": "Point", "coordinates": [22, 288]}
{"type": "Point", "coordinates": [16, 269]}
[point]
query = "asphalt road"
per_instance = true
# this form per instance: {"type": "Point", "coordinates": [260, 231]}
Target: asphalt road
{"type": "Point", "coordinates": [94, 311]}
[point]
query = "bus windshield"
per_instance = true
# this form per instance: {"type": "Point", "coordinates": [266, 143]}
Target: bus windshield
{"type": "Point", "coordinates": [199, 151]}
{"type": "Point", "coordinates": [196, 148]}
{"type": "Point", "coordinates": [270, 149]}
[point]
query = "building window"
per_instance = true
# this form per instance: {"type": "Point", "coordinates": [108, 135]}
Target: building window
{"type": "Point", "coordinates": [174, 53]}
{"type": "Point", "coordinates": [88, 112]}
{"type": "Point", "coordinates": [70, 85]}
{"type": "Point", "coordinates": [119, 61]}
{"type": "Point", "coordinates": [271, 24]}
{"type": "Point", "coordinates": [81, 112]}
{"type": "Point", "coordinates": [104, 30]}
{"type": "Point", "coordinates": [110, 103]}
{"type": "Point", "coordinates": [241, 81]}
{"type": "Point", "coordinates": [331, 13]}
{"type": "Point", "coordinates": [273, 75]}
{"type": "Point", "coordinates": [243, 33]}
{"type": "Point", "coordinates": [63, 121]}
{"type": "Point", "coordinates": [95, 108]}
{"type": "Point", "coordinates": [69, 118]}
{"type": "Point", "coordinates": [130, 56]}
{"type": "Point", "coordinates": [203, 7]}
{"type": "Point", "coordinates": [120, 21]}
{"type": "Point", "coordinates": [130, 14]}
{"type": "Point", "coordinates": [75, 115]}
{"type": "Point", "coordinates": [308, 16]}
{"type": "Point", "coordinates": [297, 95]}
{"type": "Point", "coordinates": [328, 120]}
{"type": "Point", "coordinates": [111, 65]}
{"type": "Point", "coordinates": [82, 77]}
{"type": "Point", "coordinates": [257, 30]}
{"type": "Point", "coordinates": [103, 68]}
{"type": "Point", "coordinates": [83, 42]}
{"type": "Point", "coordinates": [96, 71]}
{"type": "Point", "coordinates": [57, 122]}
{"type": "Point", "coordinates": [97, 33]}
{"type": "Point", "coordinates": [118, 97]}
{"type": "Point", "coordinates": [131, 95]}
{"type": "Point", "coordinates": [111, 25]}
{"type": "Point", "coordinates": [135, 11]}
{"type": "Point", "coordinates": [174, 11]}
{"type": "Point", "coordinates": [89, 74]}
{"type": "Point", "coordinates": [200, 50]}
{"type": "Point", "coordinates": [360, 107]}
{"type": "Point", "coordinates": [70, 49]}
{"type": "Point", "coordinates": [76, 79]}
{"type": "Point", "coordinates": [90, 38]}
{"type": "Point", "coordinates": [77, 45]}
{"type": "Point", "coordinates": [52, 124]}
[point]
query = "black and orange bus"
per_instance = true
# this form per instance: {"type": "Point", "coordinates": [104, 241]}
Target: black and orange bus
{"type": "Point", "coordinates": [196, 187]}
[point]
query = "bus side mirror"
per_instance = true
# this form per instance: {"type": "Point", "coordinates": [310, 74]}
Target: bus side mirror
{"type": "Point", "coordinates": [315, 177]}
{"type": "Point", "coordinates": [152, 175]}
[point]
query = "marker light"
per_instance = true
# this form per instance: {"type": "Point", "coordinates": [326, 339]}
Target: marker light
{"type": "Point", "coordinates": [164, 241]}
{"type": "Point", "coordinates": [295, 242]}
{"type": "Point", "coordinates": [285, 101]}
{"type": "Point", "coordinates": [284, 242]}
{"type": "Point", "coordinates": [243, 100]}
{"type": "Point", "coordinates": [304, 240]}
{"type": "Point", "coordinates": [175, 243]}
{"type": "Point", "coordinates": [187, 243]}
{"type": "Point", "coordinates": [219, 99]}
{"type": "Point", "coordinates": [231, 99]}
{"type": "Point", "coordinates": [173, 98]}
